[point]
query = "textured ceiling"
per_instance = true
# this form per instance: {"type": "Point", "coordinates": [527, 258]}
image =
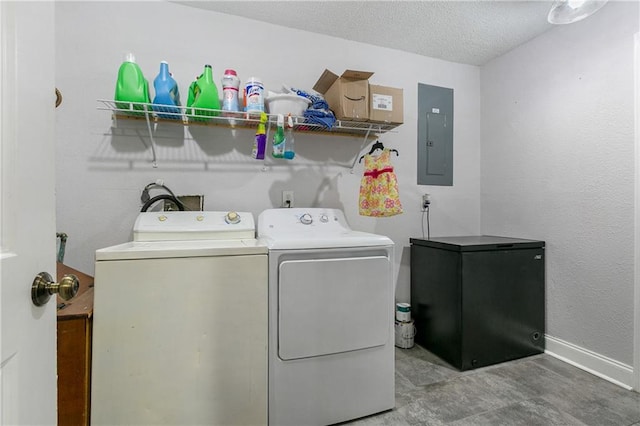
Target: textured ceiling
{"type": "Point", "coordinates": [469, 32]}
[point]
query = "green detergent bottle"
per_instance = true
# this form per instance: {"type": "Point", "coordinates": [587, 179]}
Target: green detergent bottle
{"type": "Point", "coordinates": [203, 96]}
{"type": "Point", "coordinates": [131, 86]}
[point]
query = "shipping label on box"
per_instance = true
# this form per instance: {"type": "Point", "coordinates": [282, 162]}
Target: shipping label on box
{"type": "Point", "coordinates": [382, 102]}
{"type": "Point", "coordinates": [386, 104]}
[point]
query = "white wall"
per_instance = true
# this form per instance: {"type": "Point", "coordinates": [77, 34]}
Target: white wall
{"type": "Point", "coordinates": [558, 165]}
{"type": "Point", "coordinates": [101, 172]}
{"type": "Point", "coordinates": [557, 145]}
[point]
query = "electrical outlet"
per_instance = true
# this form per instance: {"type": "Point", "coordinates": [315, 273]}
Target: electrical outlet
{"type": "Point", "coordinates": [287, 198]}
{"type": "Point", "coordinates": [426, 201]}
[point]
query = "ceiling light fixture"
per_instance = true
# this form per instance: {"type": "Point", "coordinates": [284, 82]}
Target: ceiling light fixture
{"type": "Point", "coordinates": [570, 11]}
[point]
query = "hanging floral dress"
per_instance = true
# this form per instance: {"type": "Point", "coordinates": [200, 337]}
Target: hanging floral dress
{"type": "Point", "coordinates": [379, 187]}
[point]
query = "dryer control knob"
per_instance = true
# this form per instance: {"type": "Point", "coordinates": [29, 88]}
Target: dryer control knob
{"type": "Point", "coordinates": [324, 218]}
{"type": "Point", "coordinates": [306, 219]}
{"type": "Point", "coordinates": [232, 218]}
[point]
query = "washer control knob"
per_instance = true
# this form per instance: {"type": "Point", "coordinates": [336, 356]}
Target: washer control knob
{"type": "Point", "coordinates": [324, 218]}
{"type": "Point", "coordinates": [232, 218]}
{"type": "Point", "coordinates": [306, 219]}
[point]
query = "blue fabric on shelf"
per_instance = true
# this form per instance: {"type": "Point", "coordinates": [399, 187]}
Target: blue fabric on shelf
{"type": "Point", "coordinates": [317, 101]}
{"type": "Point", "coordinates": [318, 112]}
{"type": "Point", "coordinates": [321, 117]}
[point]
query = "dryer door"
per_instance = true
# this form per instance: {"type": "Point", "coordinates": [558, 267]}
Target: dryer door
{"type": "Point", "coordinates": [335, 305]}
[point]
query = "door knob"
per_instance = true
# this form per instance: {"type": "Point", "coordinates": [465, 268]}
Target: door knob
{"type": "Point", "coordinates": [43, 287]}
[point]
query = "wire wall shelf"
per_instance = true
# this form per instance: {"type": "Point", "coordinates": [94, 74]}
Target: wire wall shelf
{"type": "Point", "coordinates": [188, 116]}
{"type": "Point", "coordinates": [212, 117]}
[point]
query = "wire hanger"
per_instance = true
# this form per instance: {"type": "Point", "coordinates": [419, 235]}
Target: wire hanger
{"type": "Point", "coordinates": [377, 145]}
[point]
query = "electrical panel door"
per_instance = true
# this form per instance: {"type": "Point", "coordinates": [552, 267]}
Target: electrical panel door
{"type": "Point", "coordinates": [435, 135]}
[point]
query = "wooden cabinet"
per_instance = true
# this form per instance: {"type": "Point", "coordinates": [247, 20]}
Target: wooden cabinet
{"type": "Point", "coordinates": [75, 320]}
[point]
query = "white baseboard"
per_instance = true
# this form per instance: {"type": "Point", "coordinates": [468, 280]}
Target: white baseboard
{"type": "Point", "coordinates": [594, 363]}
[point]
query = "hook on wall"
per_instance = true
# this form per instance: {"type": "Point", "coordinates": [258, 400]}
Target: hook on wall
{"type": "Point", "coordinates": [58, 98]}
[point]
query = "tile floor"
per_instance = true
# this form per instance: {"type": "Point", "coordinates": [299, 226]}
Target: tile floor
{"type": "Point", "coordinates": [538, 390]}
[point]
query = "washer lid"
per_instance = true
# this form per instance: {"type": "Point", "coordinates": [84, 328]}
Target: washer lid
{"type": "Point", "coordinates": [165, 249]}
{"type": "Point", "coordinates": [306, 228]}
{"type": "Point", "coordinates": [193, 225]}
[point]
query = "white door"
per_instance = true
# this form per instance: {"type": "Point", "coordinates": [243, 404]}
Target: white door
{"type": "Point", "coordinates": [27, 213]}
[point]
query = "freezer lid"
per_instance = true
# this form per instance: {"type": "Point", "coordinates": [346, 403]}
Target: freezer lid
{"type": "Point", "coordinates": [478, 243]}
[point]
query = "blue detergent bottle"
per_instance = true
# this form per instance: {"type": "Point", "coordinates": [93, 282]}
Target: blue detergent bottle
{"type": "Point", "coordinates": [167, 94]}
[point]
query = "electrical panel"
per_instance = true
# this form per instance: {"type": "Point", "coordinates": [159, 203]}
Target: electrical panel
{"type": "Point", "coordinates": [435, 135]}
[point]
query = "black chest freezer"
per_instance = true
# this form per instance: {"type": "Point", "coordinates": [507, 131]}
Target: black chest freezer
{"type": "Point", "coordinates": [478, 300]}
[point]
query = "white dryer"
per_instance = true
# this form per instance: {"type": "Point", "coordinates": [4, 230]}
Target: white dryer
{"type": "Point", "coordinates": [180, 323]}
{"type": "Point", "coordinates": [331, 308]}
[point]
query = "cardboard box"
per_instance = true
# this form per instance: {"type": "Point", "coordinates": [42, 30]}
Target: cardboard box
{"type": "Point", "coordinates": [347, 95]}
{"type": "Point", "coordinates": [386, 104]}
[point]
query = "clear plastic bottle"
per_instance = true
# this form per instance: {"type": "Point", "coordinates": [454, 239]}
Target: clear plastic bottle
{"type": "Point", "coordinates": [289, 152]}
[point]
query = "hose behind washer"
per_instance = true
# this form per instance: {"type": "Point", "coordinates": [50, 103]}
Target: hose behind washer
{"type": "Point", "coordinates": [157, 198]}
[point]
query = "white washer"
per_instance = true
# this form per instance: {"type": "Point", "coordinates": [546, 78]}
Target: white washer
{"type": "Point", "coordinates": [331, 318]}
{"type": "Point", "coordinates": [180, 323]}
